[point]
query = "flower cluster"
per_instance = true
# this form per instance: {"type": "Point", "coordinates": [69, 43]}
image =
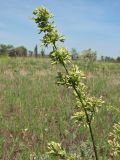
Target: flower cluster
{"type": "Point", "coordinates": [73, 79]}
{"type": "Point", "coordinates": [60, 55]}
{"type": "Point", "coordinates": [114, 140]}
{"type": "Point", "coordinates": [57, 151]}
{"type": "Point", "coordinates": [42, 18]}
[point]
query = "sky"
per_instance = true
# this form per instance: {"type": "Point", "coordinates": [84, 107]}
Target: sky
{"type": "Point", "coordinates": [85, 23]}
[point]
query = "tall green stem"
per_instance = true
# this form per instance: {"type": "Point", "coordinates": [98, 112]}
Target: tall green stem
{"type": "Point", "coordinates": [87, 118]}
{"type": "Point", "coordinates": [86, 114]}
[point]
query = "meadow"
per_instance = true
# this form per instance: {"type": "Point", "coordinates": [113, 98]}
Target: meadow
{"type": "Point", "coordinates": [34, 110]}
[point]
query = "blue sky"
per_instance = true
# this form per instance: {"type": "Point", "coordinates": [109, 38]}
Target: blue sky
{"type": "Point", "coordinates": [86, 23]}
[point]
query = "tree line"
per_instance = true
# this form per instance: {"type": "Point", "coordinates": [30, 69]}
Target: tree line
{"type": "Point", "coordinates": [20, 51]}
{"type": "Point", "coordinates": [90, 55]}
{"type": "Point", "coordinates": [87, 55]}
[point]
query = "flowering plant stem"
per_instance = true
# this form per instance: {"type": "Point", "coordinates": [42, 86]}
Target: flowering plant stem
{"type": "Point", "coordinates": [73, 78]}
{"type": "Point", "coordinates": [86, 114]}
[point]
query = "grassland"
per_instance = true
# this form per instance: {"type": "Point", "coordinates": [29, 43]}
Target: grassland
{"type": "Point", "coordinates": [34, 110]}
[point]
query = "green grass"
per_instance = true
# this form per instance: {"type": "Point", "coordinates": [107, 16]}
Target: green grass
{"type": "Point", "coordinates": [34, 110]}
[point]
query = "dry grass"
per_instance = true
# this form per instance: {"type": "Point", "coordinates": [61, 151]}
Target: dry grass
{"type": "Point", "coordinates": [33, 110]}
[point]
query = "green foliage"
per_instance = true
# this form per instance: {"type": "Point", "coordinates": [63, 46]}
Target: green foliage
{"type": "Point", "coordinates": [52, 37]}
{"type": "Point", "coordinates": [79, 117]}
{"type": "Point", "coordinates": [74, 54]}
{"type": "Point", "coordinates": [74, 78]}
{"type": "Point", "coordinates": [42, 19]}
{"type": "Point", "coordinates": [60, 55]}
{"type": "Point", "coordinates": [4, 49]}
{"type": "Point", "coordinates": [57, 151]}
{"type": "Point", "coordinates": [19, 52]}
{"type": "Point", "coordinates": [89, 57]}
{"type": "Point", "coordinates": [114, 140]}
{"type": "Point", "coordinates": [118, 59]}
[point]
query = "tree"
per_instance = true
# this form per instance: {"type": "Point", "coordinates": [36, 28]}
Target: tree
{"type": "Point", "coordinates": [118, 59]}
{"type": "Point", "coordinates": [42, 52]}
{"type": "Point", "coordinates": [30, 53]}
{"type": "Point", "coordinates": [19, 51]}
{"type": "Point", "coordinates": [74, 54]}
{"type": "Point", "coordinates": [102, 58]}
{"type": "Point", "coordinates": [4, 49]}
{"type": "Point", "coordinates": [36, 51]}
{"type": "Point", "coordinates": [109, 59]}
{"type": "Point", "coordinates": [89, 57]}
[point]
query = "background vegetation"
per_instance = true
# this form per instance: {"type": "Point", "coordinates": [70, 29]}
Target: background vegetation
{"type": "Point", "coordinates": [34, 111]}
